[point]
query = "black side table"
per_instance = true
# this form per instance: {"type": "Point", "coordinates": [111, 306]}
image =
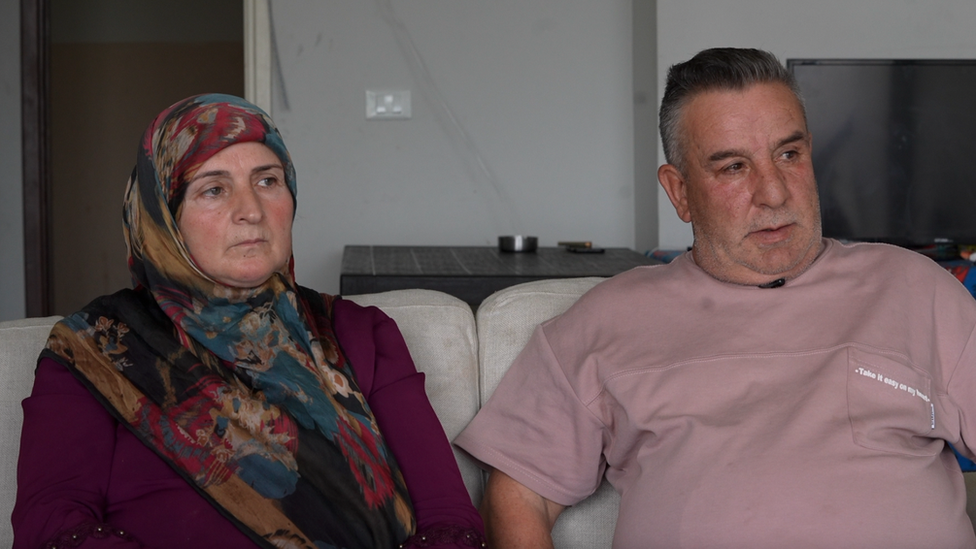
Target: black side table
{"type": "Point", "coordinates": [471, 273]}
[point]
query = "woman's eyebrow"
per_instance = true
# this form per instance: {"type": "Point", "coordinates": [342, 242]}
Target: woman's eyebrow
{"type": "Point", "coordinates": [216, 173]}
{"type": "Point", "coordinates": [211, 173]}
{"type": "Point", "coordinates": [267, 167]}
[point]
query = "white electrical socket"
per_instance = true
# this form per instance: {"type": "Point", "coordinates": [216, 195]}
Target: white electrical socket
{"type": "Point", "coordinates": [387, 104]}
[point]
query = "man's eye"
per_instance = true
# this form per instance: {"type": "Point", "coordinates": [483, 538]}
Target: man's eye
{"type": "Point", "coordinates": [790, 155]}
{"type": "Point", "coordinates": [733, 168]}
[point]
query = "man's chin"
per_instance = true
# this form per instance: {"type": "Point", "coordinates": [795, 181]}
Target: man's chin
{"type": "Point", "coordinates": [784, 261]}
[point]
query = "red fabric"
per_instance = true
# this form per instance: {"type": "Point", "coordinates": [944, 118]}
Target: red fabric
{"type": "Point", "coordinates": [78, 465]}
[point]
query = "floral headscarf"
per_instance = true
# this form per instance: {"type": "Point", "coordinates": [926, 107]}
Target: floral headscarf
{"type": "Point", "coordinates": [244, 391]}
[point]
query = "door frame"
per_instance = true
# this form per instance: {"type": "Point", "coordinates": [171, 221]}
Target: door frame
{"type": "Point", "coordinates": [35, 76]}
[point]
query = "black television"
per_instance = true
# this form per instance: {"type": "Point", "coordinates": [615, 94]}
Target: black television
{"type": "Point", "coordinates": [894, 147]}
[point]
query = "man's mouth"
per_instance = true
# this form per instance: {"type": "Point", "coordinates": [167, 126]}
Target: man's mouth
{"type": "Point", "coordinates": [772, 235]}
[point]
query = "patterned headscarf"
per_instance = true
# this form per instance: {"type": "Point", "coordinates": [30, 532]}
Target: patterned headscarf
{"type": "Point", "coordinates": [244, 391]}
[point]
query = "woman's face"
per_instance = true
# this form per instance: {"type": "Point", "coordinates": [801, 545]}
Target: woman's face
{"type": "Point", "coordinates": [237, 214]}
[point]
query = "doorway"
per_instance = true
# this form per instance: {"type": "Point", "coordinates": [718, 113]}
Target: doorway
{"type": "Point", "coordinates": [112, 66]}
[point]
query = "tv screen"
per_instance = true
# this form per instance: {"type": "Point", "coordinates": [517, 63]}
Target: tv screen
{"type": "Point", "coordinates": [894, 148]}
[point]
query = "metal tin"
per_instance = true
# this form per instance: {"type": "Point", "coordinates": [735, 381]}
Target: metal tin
{"type": "Point", "coordinates": [517, 243]}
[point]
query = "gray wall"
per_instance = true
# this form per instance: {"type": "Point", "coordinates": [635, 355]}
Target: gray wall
{"type": "Point", "coordinates": [522, 123]}
{"type": "Point", "coordinates": [644, 75]}
{"type": "Point", "coordinates": [828, 28]}
{"type": "Point", "coordinates": [12, 303]}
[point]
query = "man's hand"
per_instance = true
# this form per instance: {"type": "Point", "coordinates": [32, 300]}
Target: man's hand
{"type": "Point", "coordinates": [515, 516]}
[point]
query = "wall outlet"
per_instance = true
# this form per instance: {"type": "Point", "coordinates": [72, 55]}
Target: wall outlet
{"type": "Point", "coordinates": [387, 104]}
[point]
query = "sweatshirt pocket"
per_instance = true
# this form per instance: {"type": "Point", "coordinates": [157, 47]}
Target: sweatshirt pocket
{"type": "Point", "coordinates": [890, 404]}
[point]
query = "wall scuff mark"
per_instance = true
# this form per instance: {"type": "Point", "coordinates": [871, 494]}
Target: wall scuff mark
{"type": "Point", "coordinates": [500, 205]}
{"type": "Point", "coordinates": [276, 61]}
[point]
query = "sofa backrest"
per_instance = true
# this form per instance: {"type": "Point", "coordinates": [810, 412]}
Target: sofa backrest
{"type": "Point", "coordinates": [506, 320]}
{"type": "Point", "coordinates": [440, 332]}
{"type": "Point", "coordinates": [20, 343]}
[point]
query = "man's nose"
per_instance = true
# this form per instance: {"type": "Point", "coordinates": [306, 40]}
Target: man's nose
{"type": "Point", "coordinates": [770, 189]}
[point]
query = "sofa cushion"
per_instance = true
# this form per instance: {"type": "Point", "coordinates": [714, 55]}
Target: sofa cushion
{"type": "Point", "coordinates": [20, 343]}
{"type": "Point", "coordinates": [440, 333]}
{"type": "Point", "coordinates": [506, 320]}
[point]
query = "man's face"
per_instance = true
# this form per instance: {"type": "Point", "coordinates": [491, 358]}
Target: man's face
{"type": "Point", "coordinates": [748, 187]}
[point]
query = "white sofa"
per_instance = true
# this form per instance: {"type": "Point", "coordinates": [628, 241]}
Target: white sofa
{"type": "Point", "coordinates": [464, 358]}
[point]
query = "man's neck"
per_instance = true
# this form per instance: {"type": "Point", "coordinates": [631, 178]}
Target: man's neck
{"type": "Point", "coordinates": [750, 276]}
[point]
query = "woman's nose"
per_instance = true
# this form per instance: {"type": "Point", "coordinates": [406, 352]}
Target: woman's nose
{"type": "Point", "coordinates": [247, 206]}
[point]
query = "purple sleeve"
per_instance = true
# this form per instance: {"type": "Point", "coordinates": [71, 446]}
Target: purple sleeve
{"type": "Point", "coordinates": [394, 389]}
{"type": "Point", "coordinates": [66, 449]}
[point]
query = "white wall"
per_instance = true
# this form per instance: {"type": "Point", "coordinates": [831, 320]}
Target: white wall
{"type": "Point", "coordinates": [827, 28]}
{"type": "Point", "coordinates": [12, 303]}
{"type": "Point", "coordinates": [522, 123]}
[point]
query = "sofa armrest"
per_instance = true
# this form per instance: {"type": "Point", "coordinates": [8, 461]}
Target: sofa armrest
{"type": "Point", "coordinates": [20, 343]}
{"type": "Point", "coordinates": [440, 333]}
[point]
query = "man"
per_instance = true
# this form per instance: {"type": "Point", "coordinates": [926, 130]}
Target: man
{"type": "Point", "coordinates": [770, 388]}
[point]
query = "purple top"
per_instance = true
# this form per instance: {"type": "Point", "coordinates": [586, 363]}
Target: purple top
{"type": "Point", "coordinates": [82, 472]}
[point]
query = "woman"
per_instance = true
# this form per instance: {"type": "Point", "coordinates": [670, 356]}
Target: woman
{"type": "Point", "coordinates": [218, 403]}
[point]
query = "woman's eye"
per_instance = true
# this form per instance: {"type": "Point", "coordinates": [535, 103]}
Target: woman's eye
{"type": "Point", "coordinates": [212, 191]}
{"type": "Point", "coordinates": [268, 182]}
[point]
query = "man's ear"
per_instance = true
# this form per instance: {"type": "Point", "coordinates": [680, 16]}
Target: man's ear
{"type": "Point", "coordinates": [674, 184]}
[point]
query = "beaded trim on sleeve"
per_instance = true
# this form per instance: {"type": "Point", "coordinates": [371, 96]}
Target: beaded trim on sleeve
{"type": "Point", "coordinates": [77, 535]}
{"type": "Point", "coordinates": [434, 537]}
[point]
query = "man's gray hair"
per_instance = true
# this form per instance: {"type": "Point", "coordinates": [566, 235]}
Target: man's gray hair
{"type": "Point", "coordinates": [715, 69]}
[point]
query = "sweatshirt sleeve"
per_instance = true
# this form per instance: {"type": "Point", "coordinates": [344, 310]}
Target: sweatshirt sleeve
{"type": "Point", "coordinates": [66, 449]}
{"type": "Point", "coordinates": [395, 392]}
